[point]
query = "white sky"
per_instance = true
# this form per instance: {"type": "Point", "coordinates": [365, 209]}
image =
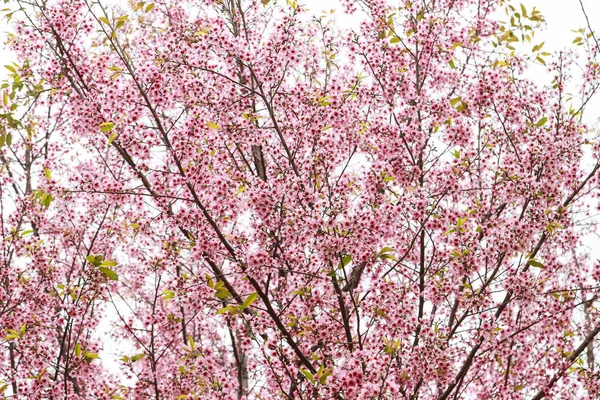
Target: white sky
{"type": "Point", "coordinates": [562, 16]}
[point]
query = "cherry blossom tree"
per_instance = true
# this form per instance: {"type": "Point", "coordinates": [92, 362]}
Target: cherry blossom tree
{"type": "Point", "coordinates": [257, 204]}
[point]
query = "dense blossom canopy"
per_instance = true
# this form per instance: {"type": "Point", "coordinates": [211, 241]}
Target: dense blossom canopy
{"type": "Point", "coordinates": [254, 203]}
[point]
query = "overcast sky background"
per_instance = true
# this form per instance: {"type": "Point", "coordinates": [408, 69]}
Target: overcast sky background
{"type": "Point", "coordinates": [562, 17]}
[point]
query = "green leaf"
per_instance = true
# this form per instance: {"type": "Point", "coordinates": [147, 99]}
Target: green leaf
{"type": "Point", "coordinates": [105, 20]}
{"type": "Point", "coordinates": [39, 375]}
{"type": "Point", "coordinates": [121, 21]}
{"type": "Point", "coordinates": [212, 125]}
{"type": "Point", "coordinates": [77, 349]}
{"type": "Point", "coordinates": [323, 377]}
{"type": "Point", "coordinates": [108, 263]}
{"type": "Point", "coordinates": [210, 282]}
{"type": "Point", "coordinates": [46, 200]}
{"type": "Point", "coordinates": [222, 293]}
{"type": "Point", "coordinates": [541, 122]}
{"type": "Point", "coordinates": [345, 260]}
{"type": "Point", "coordinates": [534, 263]}
{"type": "Point", "coordinates": [149, 7]}
{"type": "Point", "coordinates": [308, 375]}
{"type": "Point", "coordinates": [219, 285]}
{"type": "Point", "coordinates": [93, 260]}
{"type": "Point", "coordinates": [12, 334]}
{"type": "Point", "coordinates": [109, 273]}
{"type": "Point", "coordinates": [299, 292]}
{"type": "Point", "coordinates": [249, 300]}
{"type": "Point", "coordinates": [385, 253]}
{"type": "Point", "coordinates": [229, 309]}
{"type": "Point", "coordinates": [106, 126]}
{"type": "Point", "coordinates": [90, 356]}
{"type": "Point", "coordinates": [387, 250]}
{"type": "Point", "coordinates": [137, 357]}
{"type": "Point", "coordinates": [11, 69]}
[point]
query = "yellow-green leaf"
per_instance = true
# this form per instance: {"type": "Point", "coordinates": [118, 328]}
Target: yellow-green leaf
{"type": "Point", "coordinates": [109, 273]}
{"type": "Point", "coordinates": [308, 375]}
{"type": "Point", "coordinates": [249, 300]}
{"type": "Point", "coordinates": [535, 263]}
{"type": "Point", "coordinates": [345, 260]}
{"type": "Point", "coordinates": [222, 293]}
{"type": "Point", "coordinates": [455, 101]}
{"type": "Point", "coordinates": [538, 47]}
{"type": "Point", "coordinates": [90, 356]}
{"type": "Point", "coordinates": [108, 263]}
{"type": "Point", "coordinates": [541, 122]}
{"type": "Point", "coordinates": [111, 138]}
{"type": "Point", "coordinates": [106, 126]}
{"type": "Point", "coordinates": [231, 309]}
